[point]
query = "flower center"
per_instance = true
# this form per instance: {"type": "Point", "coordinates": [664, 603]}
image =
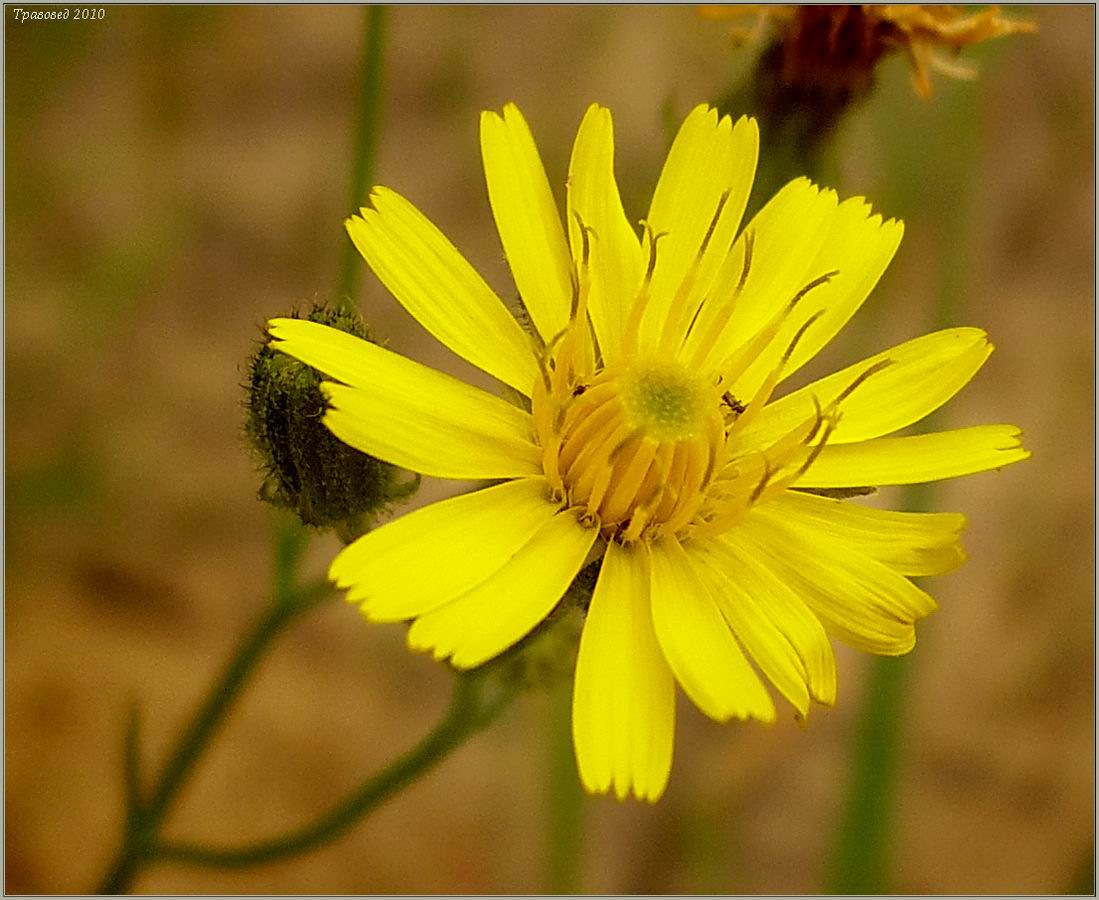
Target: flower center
{"type": "Point", "coordinates": [663, 401]}
{"type": "Point", "coordinates": [637, 447]}
{"type": "Point", "coordinates": [646, 445]}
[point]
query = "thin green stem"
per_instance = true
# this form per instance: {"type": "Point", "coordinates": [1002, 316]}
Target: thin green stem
{"type": "Point", "coordinates": [143, 820]}
{"type": "Point", "coordinates": [468, 714]}
{"type": "Point", "coordinates": [131, 763]}
{"type": "Point", "coordinates": [565, 801]}
{"type": "Point", "coordinates": [366, 139]}
{"type": "Point", "coordinates": [211, 714]}
{"type": "Point", "coordinates": [862, 863]}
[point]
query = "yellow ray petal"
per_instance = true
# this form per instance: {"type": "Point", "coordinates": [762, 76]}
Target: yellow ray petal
{"type": "Point", "coordinates": [408, 414]}
{"type": "Point", "coordinates": [784, 606]}
{"type": "Point", "coordinates": [616, 259]}
{"type": "Point", "coordinates": [623, 719]}
{"type": "Point", "coordinates": [864, 602]}
{"type": "Point", "coordinates": [917, 458]}
{"type": "Point", "coordinates": [440, 289]}
{"type": "Point", "coordinates": [427, 557]}
{"type": "Point", "coordinates": [786, 236]}
{"type": "Point", "coordinates": [710, 158]}
{"type": "Point", "coordinates": [858, 247]}
{"type": "Point", "coordinates": [922, 375]}
{"type": "Point", "coordinates": [455, 432]}
{"type": "Point", "coordinates": [527, 219]}
{"type": "Point", "coordinates": [803, 233]}
{"type": "Point", "coordinates": [486, 620]}
{"type": "Point", "coordinates": [697, 642]}
{"type": "Point", "coordinates": [747, 615]}
{"type": "Point", "coordinates": [910, 542]}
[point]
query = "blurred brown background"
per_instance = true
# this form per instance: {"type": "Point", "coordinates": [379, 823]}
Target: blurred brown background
{"type": "Point", "coordinates": [175, 176]}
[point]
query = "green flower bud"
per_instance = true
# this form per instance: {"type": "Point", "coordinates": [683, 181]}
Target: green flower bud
{"type": "Point", "coordinates": [306, 468]}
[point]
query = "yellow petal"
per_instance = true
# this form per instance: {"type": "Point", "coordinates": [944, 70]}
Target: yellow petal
{"type": "Point", "coordinates": [616, 262]}
{"type": "Point", "coordinates": [802, 234]}
{"type": "Point", "coordinates": [527, 219]}
{"type": "Point", "coordinates": [866, 603]}
{"type": "Point", "coordinates": [917, 458]}
{"type": "Point", "coordinates": [921, 376]}
{"type": "Point", "coordinates": [457, 432]}
{"type": "Point", "coordinates": [779, 601]}
{"type": "Point", "coordinates": [623, 719]}
{"type": "Point", "coordinates": [857, 246]}
{"type": "Point", "coordinates": [440, 289]}
{"type": "Point", "coordinates": [697, 642]}
{"type": "Point", "coordinates": [860, 245]}
{"type": "Point", "coordinates": [709, 158]}
{"type": "Point", "coordinates": [785, 235]}
{"type": "Point", "coordinates": [486, 620]}
{"type": "Point", "coordinates": [408, 414]}
{"type": "Point", "coordinates": [746, 613]}
{"type": "Point", "coordinates": [910, 542]}
{"type": "Point", "coordinates": [427, 557]}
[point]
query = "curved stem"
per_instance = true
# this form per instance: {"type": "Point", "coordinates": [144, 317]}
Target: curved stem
{"type": "Point", "coordinates": [212, 713]}
{"type": "Point", "coordinates": [466, 716]}
{"type": "Point", "coordinates": [144, 819]}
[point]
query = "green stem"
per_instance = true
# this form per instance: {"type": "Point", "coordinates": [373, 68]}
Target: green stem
{"type": "Point", "coordinates": [467, 715]}
{"type": "Point", "coordinates": [144, 819]}
{"type": "Point", "coordinates": [366, 140]}
{"type": "Point", "coordinates": [565, 800]}
{"type": "Point", "coordinates": [212, 713]}
{"type": "Point", "coordinates": [863, 862]}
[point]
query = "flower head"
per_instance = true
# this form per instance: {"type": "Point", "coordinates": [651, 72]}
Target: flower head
{"type": "Point", "coordinates": [651, 437]}
{"type": "Point", "coordinates": [836, 47]}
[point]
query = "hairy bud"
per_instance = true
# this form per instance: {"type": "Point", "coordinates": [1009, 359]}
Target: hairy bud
{"type": "Point", "coordinates": [306, 468]}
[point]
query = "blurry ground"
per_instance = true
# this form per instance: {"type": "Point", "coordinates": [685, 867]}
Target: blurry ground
{"type": "Point", "coordinates": [176, 176]}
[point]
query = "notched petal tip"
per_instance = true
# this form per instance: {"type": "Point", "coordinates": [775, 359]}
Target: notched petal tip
{"type": "Point", "coordinates": [490, 121]}
{"type": "Point", "coordinates": [748, 123]}
{"type": "Point", "coordinates": [1014, 446]}
{"type": "Point", "coordinates": [702, 110]}
{"type": "Point", "coordinates": [597, 108]}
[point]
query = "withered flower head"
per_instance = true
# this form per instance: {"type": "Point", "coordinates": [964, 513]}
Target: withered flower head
{"type": "Point", "coordinates": [835, 48]}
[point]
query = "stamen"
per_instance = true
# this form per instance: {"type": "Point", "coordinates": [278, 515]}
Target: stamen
{"type": "Point", "coordinates": [585, 246]}
{"type": "Point", "coordinates": [799, 334]}
{"type": "Point", "coordinates": [644, 294]}
{"type": "Point", "coordinates": [814, 452]}
{"type": "Point", "coordinates": [815, 283]}
{"type": "Point", "coordinates": [737, 363]}
{"type": "Point", "coordinates": [767, 473]}
{"type": "Point", "coordinates": [749, 248]}
{"type": "Point", "coordinates": [674, 330]}
{"type": "Point", "coordinates": [850, 389]}
{"type": "Point", "coordinates": [725, 313]}
{"type": "Point", "coordinates": [713, 224]}
{"type": "Point", "coordinates": [763, 395]}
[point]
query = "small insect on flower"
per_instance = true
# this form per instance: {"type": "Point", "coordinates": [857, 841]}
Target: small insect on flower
{"type": "Point", "coordinates": [651, 438]}
{"type": "Point", "coordinates": [734, 405]}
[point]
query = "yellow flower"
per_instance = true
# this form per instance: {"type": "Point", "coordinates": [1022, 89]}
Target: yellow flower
{"type": "Point", "coordinates": [650, 438]}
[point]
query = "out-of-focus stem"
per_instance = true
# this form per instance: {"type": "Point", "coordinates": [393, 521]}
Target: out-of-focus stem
{"type": "Point", "coordinates": [368, 119]}
{"type": "Point", "coordinates": [565, 800]}
{"type": "Point", "coordinates": [144, 818]}
{"type": "Point", "coordinates": [863, 862]}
